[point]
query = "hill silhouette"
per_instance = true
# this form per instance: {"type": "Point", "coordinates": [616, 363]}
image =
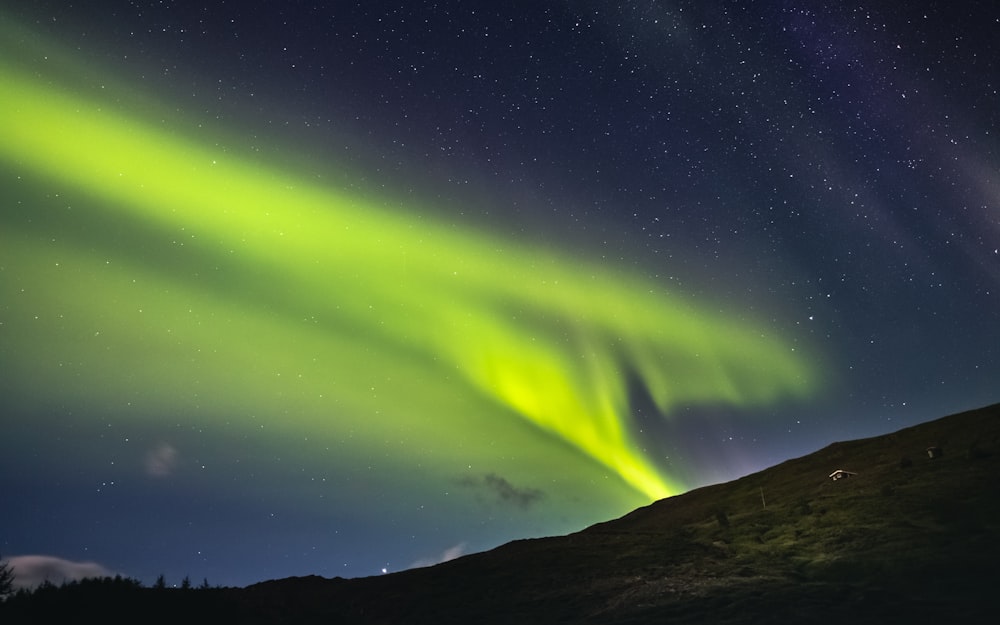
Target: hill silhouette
{"type": "Point", "coordinates": [911, 535]}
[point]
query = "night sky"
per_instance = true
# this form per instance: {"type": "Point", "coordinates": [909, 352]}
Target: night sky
{"type": "Point", "coordinates": [343, 288]}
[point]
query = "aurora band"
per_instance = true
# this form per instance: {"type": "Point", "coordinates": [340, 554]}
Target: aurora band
{"type": "Point", "coordinates": [549, 338]}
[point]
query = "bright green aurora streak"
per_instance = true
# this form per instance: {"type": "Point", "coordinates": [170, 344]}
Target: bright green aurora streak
{"type": "Point", "coordinates": [232, 274]}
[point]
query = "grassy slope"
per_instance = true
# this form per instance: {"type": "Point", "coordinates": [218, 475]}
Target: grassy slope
{"type": "Point", "coordinates": [909, 536]}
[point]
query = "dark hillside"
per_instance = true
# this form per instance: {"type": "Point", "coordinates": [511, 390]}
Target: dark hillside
{"type": "Point", "coordinates": [906, 538]}
{"type": "Point", "coordinates": [907, 535]}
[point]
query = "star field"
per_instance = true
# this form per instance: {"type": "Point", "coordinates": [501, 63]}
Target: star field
{"type": "Point", "coordinates": [290, 289]}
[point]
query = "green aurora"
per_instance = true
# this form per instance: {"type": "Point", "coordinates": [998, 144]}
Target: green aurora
{"type": "Point", "coordinates": [147, 271]}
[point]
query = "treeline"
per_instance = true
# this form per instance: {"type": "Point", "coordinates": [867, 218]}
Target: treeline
{"type": "Point", "coordinates": [119, 599]}
{"type": "Point", "coordinates": [118, 582]}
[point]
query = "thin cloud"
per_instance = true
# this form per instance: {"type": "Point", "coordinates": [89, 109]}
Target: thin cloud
{"type": "Point", "coordinates": [450, 553]}
{"type": "Point", "coordinates": [161, 460]}
{"type": "Point", "coordinates": [34, 570]}
{"type": "Point", "coordinates": [505, 491]}
{"type": "Point", "coordinates": [521, 497]}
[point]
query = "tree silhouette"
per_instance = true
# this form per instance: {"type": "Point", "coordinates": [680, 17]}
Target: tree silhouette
{"type": "Point", "coordinates": [6, 578]}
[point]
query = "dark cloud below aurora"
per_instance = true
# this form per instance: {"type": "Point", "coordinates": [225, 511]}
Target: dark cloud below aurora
{"type": "Point", "coordinates": [822, 179]}
{"type": "Point", "coordinates": [504, 491]}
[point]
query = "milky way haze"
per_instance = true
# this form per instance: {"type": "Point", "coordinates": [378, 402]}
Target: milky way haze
{"type": "Point", "coordinates": [289, 291]}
